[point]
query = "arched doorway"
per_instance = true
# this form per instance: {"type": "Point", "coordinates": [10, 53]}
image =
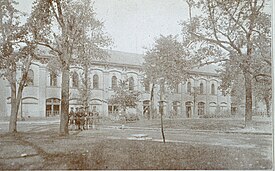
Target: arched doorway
{"type": "Point", "coordinates": [223, 108]}
{"type": "Point", "coordinates": [201, 108]}
{"type": "Point", "coordinates": [176, 108]}
{"type": "Point", "coordinates": [96, 104]}
{"type": "Point", "coordinates": [164, 109]}
{"type": "Point", "coordinates": [146, 109]}
{"type": "Point", "coordinates": [212, 107]}
{"type": "Point", "coordinates": [233, 108]}
{"type": "Point", "coordinates": [52, 107]}
{"type": "Point", "coordinates": [188, 106]}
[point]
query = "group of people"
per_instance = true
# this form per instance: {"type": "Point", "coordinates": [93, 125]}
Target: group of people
{"type": "Point", "coordinates": [82, 118]}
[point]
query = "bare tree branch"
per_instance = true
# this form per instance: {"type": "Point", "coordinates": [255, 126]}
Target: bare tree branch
{"type": "Point", "coordinates": [47, 45]}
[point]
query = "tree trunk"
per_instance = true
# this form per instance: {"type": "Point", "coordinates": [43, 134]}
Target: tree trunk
{"type": "Point", "coordinates": [65, 101]}
{"type": "Point", "coordinates": [13, 116]}
{"type": "Point", "coordinates": [151, 115]}
{"type": "Point", "coordinates": [267, 104]}
{"type": "Point", "coordinates": [86, 104]}
{"type": "Point", "coordinates": [16, 98]}
{"type": "Point", "coordinates": [19, 94]}
{"type": "Point", "coordinates": [194, 105]}
{"type": "Point", "coordinates": [161, 110]}
{"type": "Point", "coordinates": [248, 99]}
{"type": "Point", "coordinates": [22, 83]}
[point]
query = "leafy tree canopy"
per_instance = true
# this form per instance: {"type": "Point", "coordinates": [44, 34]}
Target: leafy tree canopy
{"type": "Point", "coordinates": [124, 97]}
{"type": "Point", "coordinates": [167, 61]}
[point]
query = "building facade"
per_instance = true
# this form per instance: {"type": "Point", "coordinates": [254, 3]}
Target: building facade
{"type": "Point", "coordinates": [41, 98]}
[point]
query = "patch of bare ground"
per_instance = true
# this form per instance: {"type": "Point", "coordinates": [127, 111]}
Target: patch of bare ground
{"type": "Point", "coordinates": [48, 150]}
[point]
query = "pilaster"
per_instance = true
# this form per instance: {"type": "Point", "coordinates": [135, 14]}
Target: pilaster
{"type": "Point", "coordinates": [207, 93]}
{"type": "Point", "coordinates": [42, 91]}
{"type": "Point", "coordinates": [105, 89]}
{"type": "Point", "coordinates": [3, 98]}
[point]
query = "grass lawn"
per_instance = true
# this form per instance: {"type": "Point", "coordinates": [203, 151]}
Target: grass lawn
{"type": "Point", "coordinates": [220, 124]}
{"type": "Point", "coordinates": [47, 150]}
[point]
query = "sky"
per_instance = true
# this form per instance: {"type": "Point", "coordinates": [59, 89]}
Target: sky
{"type": "Point", "coordinates": [135, 24]}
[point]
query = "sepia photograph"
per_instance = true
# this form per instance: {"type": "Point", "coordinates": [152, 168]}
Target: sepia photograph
{"type": "Point", "coordinates": [136, 85]}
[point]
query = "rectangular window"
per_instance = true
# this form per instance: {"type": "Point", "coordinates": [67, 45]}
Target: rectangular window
{"type": "Point", "coordinates": [112, 109]}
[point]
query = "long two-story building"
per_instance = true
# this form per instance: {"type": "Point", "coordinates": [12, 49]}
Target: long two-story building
{"type": "Point", "coordinates": [41, 98]}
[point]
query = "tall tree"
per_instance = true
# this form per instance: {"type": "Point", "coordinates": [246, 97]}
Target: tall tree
{"type": "Point", "coordinates": [16, 53]}
{"type": "Point", "coordinates": [230, 32]}
{"type": "Point", "coordinates": [166, 64]}
{"type": "Point", "coordinates": [76, 23]}
{"type": "Point", "coordinates": [262, 84]}
{"type": "Point", "coordinates": [88, 51]}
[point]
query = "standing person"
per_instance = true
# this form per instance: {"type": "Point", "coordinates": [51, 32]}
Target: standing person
{"type": "Point", "coordinates": [77, 118]}
{"type": "Point", "coordinates": [86, 118]}
{"type": "Point", "coordinates": [95, 115]}
{"type": "Point", "coordinates": [71, 116]}
{"type": "Point", "coordinates": [82, 119]}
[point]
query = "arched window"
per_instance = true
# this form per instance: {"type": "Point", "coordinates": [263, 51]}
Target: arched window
{"type": "Point", "coordinates": [95, 81]}
{"type": "Point", "coordinates": [114, 82]}
{"type": "Point", "coordinates": [75, 79]}
{"type": "Point", "coordinates": [212, 89]}
{"type": "Point", "coordinates": [53, 79]}
{"type": "Point", "coordinates": [30, 77]}
{"type": "Point", "coordinates": [131, 83]}
{"type": "Point", "coordinates": [188, 87]}
{"type": "Point", "coordinates": [201, 88]}
{"type": "Point", "coordinates": [147, 86]}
